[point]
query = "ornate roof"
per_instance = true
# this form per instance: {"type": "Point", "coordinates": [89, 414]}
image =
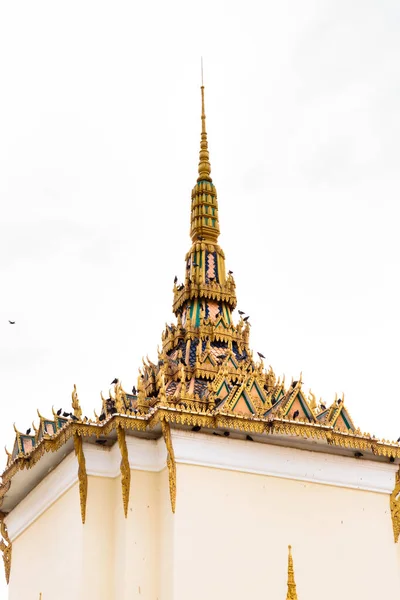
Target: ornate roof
{"type": "Point", "coordinates": [205, 374]}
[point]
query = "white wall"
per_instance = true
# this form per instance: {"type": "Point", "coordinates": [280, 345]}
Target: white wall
{"type": "Point", "coordinates": [48, 556]}
{"type": "Point", "coordinates": [239, 504]}
{"type": "Point", "coordinates": [238, 527]}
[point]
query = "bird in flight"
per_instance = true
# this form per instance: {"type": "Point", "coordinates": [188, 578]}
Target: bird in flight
{"type": "Point", "coordinates": [11, 322]}
{"type": "Point", "coordinates": [114, 381]}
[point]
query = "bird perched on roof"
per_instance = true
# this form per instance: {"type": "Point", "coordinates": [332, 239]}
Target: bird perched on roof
{"type": "Point", "coordinates": [260, 355]}
{"type": "Point", "coordinates": [196, 428]}
{"type": "Point", "coordinates": [65, 414]}
{"type": "Point", "coordinates": [134, 390]}
{"type": "Point", "coordinates": [241, 312]}
{"type": "Point", "coordinates": [114, 381]}
{"type": "Point", "coordinates": [59, 412]}
{"type": "Point", "coordinates": [322, 406]}
{"type": "Point", "coordinates": [11, 322]}
{"type": "Point", "coordinates": [398, 440]}
{"type": "Point", "coordinates": [74, 418]}
{"type": "Point", "coordinates": [201, 238]}
{"type": "Point", "coordinates": [246, 319]}
{"type": "Point", "coordinates": [194, 264]}
{"type": "Point", "coordinates": [102, 417]}
{"type": "Point", "coordinates": [175, 279]}
{"type": "Point", "coordinates": [358, 454]}
{"type": "Point", "coordinates": [249, 438]}
{"type": "Point", "coordinates": [295, 414]}
{"type": "Point", "coordinates": [28, 431]}
{"type": "Point", "coordinates": [230, 272]}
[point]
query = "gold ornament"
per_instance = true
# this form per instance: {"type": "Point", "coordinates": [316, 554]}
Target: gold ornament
{"type": "Point", "coordinates": [5, 548]}
{"type": "Point", "coordinates": [75, 404]}
{"type": "Point", "coordinates": [125, 469]}
{"type": "Point", "coordinates": [395, 508]}
{"type": "Point", "coordinates": [170, 463]}
{"type": "Point", "coordinates": [82, 476]}
{"type": "Point", "coordinates": [291, 593]}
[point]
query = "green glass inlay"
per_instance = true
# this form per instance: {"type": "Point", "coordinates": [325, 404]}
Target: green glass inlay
{"type": "Point", "coordinates": [345, 420]}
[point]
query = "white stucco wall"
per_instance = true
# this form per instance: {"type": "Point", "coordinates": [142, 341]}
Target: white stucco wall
{"type": "Point", "coordinates": [238, 526]}
{"type": "Point", "coordinates": [239, 505]}
{"type": "Point", "coordinates": [48, 556]}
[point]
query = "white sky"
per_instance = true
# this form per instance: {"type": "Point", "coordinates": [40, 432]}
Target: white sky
{"type": "Point", "coordinates": [99, 138]}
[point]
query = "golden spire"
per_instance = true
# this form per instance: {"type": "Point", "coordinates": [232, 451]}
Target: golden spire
{"type": "Point", "coordinates": [204, 217]}
{"type": "Point", "coordinates": [291, 593]}
{"type": "Point", "coordinates": [204, 163]}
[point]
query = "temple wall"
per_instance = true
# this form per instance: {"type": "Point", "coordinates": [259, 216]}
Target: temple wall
{"type": "Point", "coordinates": [239, 504]}
{"type": "Point", "coordinates": [136, 538]}
{"type": "Point", "coordinates": [235, 528]}
{"type": "Point", "coordinates": [98, 540]}
{"type": "Point", "coordinates": [48, 556]}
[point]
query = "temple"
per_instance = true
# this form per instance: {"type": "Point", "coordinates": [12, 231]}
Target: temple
{"type": "Point", "coordinates": [193, 485]}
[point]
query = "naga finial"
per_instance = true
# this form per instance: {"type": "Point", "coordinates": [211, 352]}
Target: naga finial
{"type": "Point", "coordinates": [119, 398]}
{"type": "Point", "coordinates": [75, 404]}
{"type": "Point", "coordinates": [312, 400]}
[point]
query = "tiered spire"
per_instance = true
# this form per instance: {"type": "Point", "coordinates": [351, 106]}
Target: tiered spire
{"type": "Point", "coordinates": [291, 593]}
{"type": "Point", "coordinates": [204, 164]}
{"type": "Point", "coordinates": [204, 218]}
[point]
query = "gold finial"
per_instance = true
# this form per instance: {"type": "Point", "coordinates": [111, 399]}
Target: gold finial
{"type": "Point", "coordinates": [312, 400]}
{"type": "Point", "coordinates": [291, 593]}
{"type": "Point", "coordinates": [204, 162]}
{"type": "Point", "coordinates": [204, 214]}
{"type": "Point", "coordinates": [75, 404]}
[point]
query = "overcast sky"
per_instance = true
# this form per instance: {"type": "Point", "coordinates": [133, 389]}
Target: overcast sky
{"type": "Point", "coordinates": [99, 138]}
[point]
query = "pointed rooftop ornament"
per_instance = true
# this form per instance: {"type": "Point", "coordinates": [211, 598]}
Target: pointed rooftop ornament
{"type": "Point", "coordinates": [204, 162]}
{"type": "Point", "coordinates": [291, 593]}
{"type": "Point", "coordinates": [204, 218]}
{"type": "Point", "coordinates": [75, 404]}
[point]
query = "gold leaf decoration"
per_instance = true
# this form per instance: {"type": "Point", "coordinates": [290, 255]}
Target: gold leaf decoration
{"type": "Point", "coordinates": [291, 593]}
{"type": "Point", "coordinates": [6, 549]}
{"type": "Point", "coordinates": [125, 469]}
{"type": "Point", "coordinates": [170, 463]}
{"type": "Point", "coordinates": [82, 476]}
{"type": "Point", "coordinates": [395, 508]}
